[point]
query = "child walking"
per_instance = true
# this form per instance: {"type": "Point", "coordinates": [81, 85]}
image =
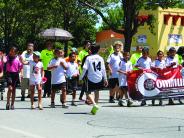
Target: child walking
{"type": "Point", "coordinates": [94, 69]}
{"type": "Point", "coordinates": [72, 76]}
{"type": "Point", "coordinates": [58, 81]}
{"type": "Point", "coordinates": [36, 76]}
{"type": "Point", "coordinates": [125, 68]}
{"type": "Point", "coordinates": [13, 68]}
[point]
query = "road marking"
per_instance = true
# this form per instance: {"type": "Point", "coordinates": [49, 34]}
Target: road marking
{"type": "Point", "coordinates": [20, 132]}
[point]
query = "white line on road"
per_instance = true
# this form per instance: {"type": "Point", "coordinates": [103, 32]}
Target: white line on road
{"type": "Point", "coordinates": [21, 132]}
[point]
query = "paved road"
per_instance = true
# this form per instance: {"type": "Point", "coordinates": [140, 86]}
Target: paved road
{"type": "Point", "coordinates": [76, 122]}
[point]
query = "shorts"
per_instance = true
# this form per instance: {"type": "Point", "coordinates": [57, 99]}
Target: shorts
{"type": "Point", "coordinates": [34, 82]}
{"type": "Point", "coordinates": [113, 82]}
{"type": "Point", "coordinates": [124, 87]}
{"type": "Point", "coordinates": [92, 87]}
{"type": "Point", "coordinates": [58, 86]}
{"type": "Point", "coordinates": [12, 78]}
{"type": "Point", "coordinates": [72, 84]}
{"type": "Point", "coordinates": [24, 84]}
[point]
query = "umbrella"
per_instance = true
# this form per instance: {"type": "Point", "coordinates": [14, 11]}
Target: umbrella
{"type": "Point", "coordinates": [56, 34]}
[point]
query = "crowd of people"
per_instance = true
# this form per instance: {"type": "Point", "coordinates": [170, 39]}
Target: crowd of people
{"type": "Point", "coordinates": [50, 70]}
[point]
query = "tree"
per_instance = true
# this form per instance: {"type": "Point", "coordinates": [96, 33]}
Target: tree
{"type": "Point", "coordinates": [131, 10]}
{"type": "Point", "coordinates": [22, 21]}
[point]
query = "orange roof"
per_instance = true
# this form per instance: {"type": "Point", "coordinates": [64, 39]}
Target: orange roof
{"type": "Point", "coordinates": [106, 35]}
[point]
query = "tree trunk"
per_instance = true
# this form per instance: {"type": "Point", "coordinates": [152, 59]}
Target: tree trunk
{"type": "Point", "coordinates": [127, 6]}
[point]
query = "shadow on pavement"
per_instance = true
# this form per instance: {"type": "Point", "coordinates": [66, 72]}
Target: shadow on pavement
{"type": "Point", "coordinates": [77, 113]}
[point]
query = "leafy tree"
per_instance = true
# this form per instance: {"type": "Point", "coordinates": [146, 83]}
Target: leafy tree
{"type": "Point", "coordinates": [22, 21]}
{"type": "Point", "coordinates": [131, 10]}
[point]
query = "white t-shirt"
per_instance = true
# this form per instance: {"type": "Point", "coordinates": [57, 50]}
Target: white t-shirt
{"type": "Point", "coordinates": [57, 74]}
{"type": "Point", "coordinates": [114, 61]}
{"type": "Point", "coordinates": [144, 63]}
{"type": "Point", "coordinates": [94, 64]}
{"type": "Point", "coordinates": [73, 69]}
{"type": "Point", "coordinates": [26, 68]}
{"type": "Point", "coordinates": [170, 60]}
{"type": "Point", "coordinates": [35, 72]}
{"type": "Point", "coordinates": [124, 66]}
{"type": "Point", "coordinates": [159, 64]}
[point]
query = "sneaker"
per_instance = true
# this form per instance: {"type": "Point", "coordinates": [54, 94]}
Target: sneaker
{"type": "Point", "coordinates": [129, 103]}
{"type": "Point", "coordinates": [44, 95]}
{"type": "Point", "coordinates": [28, 96]}
{"type": "Point", "coordinates": [111, 101]}
{"type": "Point", "coordinates": [52, 105]}
{"type": "Point", "coordinates": [160, 102]}
{"type": "Point", "coordinates": [120, 103]}
{"type": "Point", "coordinates": [179, 100]}
{"type": "Point", "coordinates": [7, 107]}
{"type": "Point", "coordinates": [143, 103]}
{"type": "Point", "coordinates": [12, 107]}
{"type": "Point", "coordinates": [32, 106]}
{"type": "Point", "coordinates": [73, 103]}
{"type": "Point", "coordinates": [94, 109]}
{"type": "Point", "coordinates": [40, 107]}
{"type": "Point", "coordinates": [170, 102]}
{"type": "Point", "coordinates": [23, 98]}
{"type": "Point", "coordinates": [65, 106]}
{"type": "Point", "coordinates": [153, 102]}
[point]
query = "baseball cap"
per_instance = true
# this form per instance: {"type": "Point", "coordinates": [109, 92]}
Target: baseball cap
{"type": "Point", "coordinates": [37, 53]}
{"type": "Point", "coordinates": [74, 49]}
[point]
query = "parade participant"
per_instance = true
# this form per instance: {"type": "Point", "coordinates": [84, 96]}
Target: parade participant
{"type": "Point", "coordinates": [57, 66]}
{"type": "Point", "coordinates": [72, 74]}
{"type": "Point", "coordinates": [113, 66]}
{"type": "Point", "coordinates": [136, 56]}
{"type": "Point", "coordinates": [36, 76]}
{"type": "Point", "coordinates": [81, 57]}
{"type": "Point", "coordinates": [159, 64]}
{"type": "Point", "coordinates": [13, 68]}
{"type": "Point", "coordinates": [46, 56]}
{"type": "Point", "coordinates": [172, 62]}
{"type": "Point", "coordinates": [73, 50]}
{"type": "Point", "coordinates": [25, 58]}
{"type": "Point", "coordinates": [124, 69]}
{"type": "Point", "coordinates": [144, 62]}
{"type": "Point", "coordinates": [94, 69]}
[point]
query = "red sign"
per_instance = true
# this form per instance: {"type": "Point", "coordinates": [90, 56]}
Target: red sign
{"type": "Point", "coordinates": [150, 84]}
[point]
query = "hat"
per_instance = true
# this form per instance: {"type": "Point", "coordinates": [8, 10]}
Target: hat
{"type": "Point", "coordinates": [118, 43]}
{"type": "Point", "coordinates": [37, 53]}
{"type": "Point", "coordinates": [73, 49]}
{"type": "Point", "coordinates": [172, 49]}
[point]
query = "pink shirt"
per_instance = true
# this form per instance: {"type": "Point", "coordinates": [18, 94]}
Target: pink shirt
{"type": "Point", "coordinates": [13, 66]}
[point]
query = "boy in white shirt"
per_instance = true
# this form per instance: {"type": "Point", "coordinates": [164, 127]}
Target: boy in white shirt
{"type": "Point", "coordinates": [58, 81]}
{"type": "Point", "coordinates": [125, 68]}
{"type": "Point", "coordinates": [113, 66]}
{"type": "Point", "coordinates": [144, 62]}
{"type": "Point", "coordinates": [72, 74]}
{"type": "Point", "coordinates": [159, 64]}
{"type": "Point", "coordinates": [35, 80]}
{"type": "Point", "coordinates": [172, 62]}
{"type": "Point", "coordinates": [94, 69]}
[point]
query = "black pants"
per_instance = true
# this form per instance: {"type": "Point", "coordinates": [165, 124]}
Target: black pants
{"type": "Point", "coordinates": [47, 85]}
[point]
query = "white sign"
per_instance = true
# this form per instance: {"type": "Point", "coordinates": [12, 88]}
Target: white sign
{"type": "Point", "coordinates": [175, 38]}
{"type": "Point", "coordinates": [141, 39]}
